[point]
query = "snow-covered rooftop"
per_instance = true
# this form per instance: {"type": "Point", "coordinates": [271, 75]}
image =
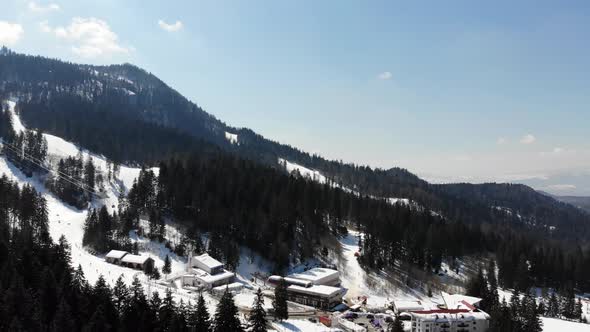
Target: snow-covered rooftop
{"type": "Point", "coordinates": [134, 259]}
{"type": "Point", "coordinates": [208, 278]}
{"type": "Point", "coordinates": [317, 290]}
{"type": "Point", "coordinates": [317, 275]}
{"type": "Point", "coordinates": [458, 301]}
{"type": "Point", "coordinates": [116, 254]}
{"type": "Point", "coordinates": [405, 305]}
{"type": "Point", "coordinates": [208, 261]}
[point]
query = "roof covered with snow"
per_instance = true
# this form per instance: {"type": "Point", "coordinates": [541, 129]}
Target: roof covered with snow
{"type": "Point", "coordinates": [209, 278]}
{"type": "Point", "coordinates": [116, 254]}
{"type": "Point", "coordinates": [208, 261]}
{"type": "Point", "coordinates": [458, 301]}
{"type": "Point", "coordinates": [317, 290]}
{"type": "Point", "coordinates": [135, 259]}
{"type": "Point", "coordinates": [405, 305]}
{"type": "Point", "coordinates": [317, 275]}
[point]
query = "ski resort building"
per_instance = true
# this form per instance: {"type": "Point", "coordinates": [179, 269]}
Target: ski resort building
{"type": "Point", "coordinates": [460, 315]}
{"type": "Point", "coordinates": [319, 276]}
{"type": "Point", "coordinates": [319, 296]}
{"type": "Point", "coordinates": [206, 272]}
{"type": "Point", "coordinates": [126, 259]}
{"type": "Point", "coordinates": [314, 287]}
{"type": "Point", "coordinates": [450, 320]}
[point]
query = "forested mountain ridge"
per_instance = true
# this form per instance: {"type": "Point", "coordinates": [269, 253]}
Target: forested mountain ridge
{"type": "Point", "coordinates": [130, 116]}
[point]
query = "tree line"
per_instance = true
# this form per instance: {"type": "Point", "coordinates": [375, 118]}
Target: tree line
{"type": "Point", "coordinates": [41, 291]}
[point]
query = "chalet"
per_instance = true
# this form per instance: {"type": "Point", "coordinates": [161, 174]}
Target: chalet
{"type": "Point", "coordinates": [206, 272]}
{"type": "Point", "coordinates": [137, 262]}
{"type": "Point", "coordinates": [115, 256]}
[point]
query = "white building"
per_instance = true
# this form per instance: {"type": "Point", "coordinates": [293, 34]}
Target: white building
{"type": "Point", "coordinates": [319, 276]}
{"type": "Point", "coordinates": [205, 271]}
{"type": "Point", "coordinates": [450, 320]}
{"type": "Point", "coordinates": [115, 256]}
{"type": "Point", "coordinates": [319, 296]}
{"type": "Point", "coordinates": [205, 263]}
{"type": "Point", "coordinates": [460, 315]}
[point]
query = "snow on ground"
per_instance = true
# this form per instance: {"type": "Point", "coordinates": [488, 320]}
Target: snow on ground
{"type": "Point", "coordinates": [17, 125]}
{"type": "Point", "coordinates": [403, 201]}
{"type": "Point", "coordinates": [299, 325]}
{"type": "Point", "coordinates": [558, 325]}
{"type": "Point", "coordinates": [313, 175]}
{"type": "Point", "coordinates": [232, 138]}
{"type": "Point", "coordinates": [376, 286]}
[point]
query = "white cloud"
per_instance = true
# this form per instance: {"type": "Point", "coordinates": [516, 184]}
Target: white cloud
{"type": "Point", "coordinates": [91, 37]}
{"type": "Point", "coordinates": [386, 75]}
{"type": "Point", "coordinates": [170, 27]}
{"type": "Point", "coordinates": [501, 140]}
{"type": "Point", "coordinates": [35, 7]}
{"type": "Point", "coordinates": [44, 26]}
{"type": "Point", "coordinates": [528, 139]}
{"type": "Point", "coordinates": [10, 33]}
{"type": "Point", "coordinates": [558, 150]}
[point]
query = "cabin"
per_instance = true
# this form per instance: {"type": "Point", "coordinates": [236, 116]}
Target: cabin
{"type": "Point", "coordinates": [137, 262]}
{"type": "Point", "coordinates": [115, 256]}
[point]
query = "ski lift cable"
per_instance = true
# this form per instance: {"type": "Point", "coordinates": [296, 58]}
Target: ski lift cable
{"type": "Point", "coordinates": [40, 163]}
{"type": "Point", "coordinates": [66, 177]}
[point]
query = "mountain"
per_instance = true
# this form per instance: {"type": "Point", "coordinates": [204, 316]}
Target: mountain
{"type": "Point", "coordinates": [581, 202]}
{"type": "Point", "coordinates": [131, 116]}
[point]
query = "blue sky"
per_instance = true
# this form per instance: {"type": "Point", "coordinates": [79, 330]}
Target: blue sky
{"type": "Point", "coordinates": [452, 90]}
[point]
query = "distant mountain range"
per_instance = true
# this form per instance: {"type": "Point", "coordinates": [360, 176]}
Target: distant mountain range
{"type": "Point", "coordinates": [131, 116]}
{"type": "Point", "coordinates": [581, 202]}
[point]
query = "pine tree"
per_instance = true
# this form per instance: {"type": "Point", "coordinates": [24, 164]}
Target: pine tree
{"type": "Point", "coordinates": [226, 316]}
{"type": "Point", "coordinates": [120, 294]}
{"type": "Point", "coordinates": [578, 310]}
{"type": "Point", "coordinates": [279, 303]}
{"type": "Point", "coordinates": [200, 317]}
{"type": "Point", "coordinates": [396, 325]}
{"type": "Point", "coordinates": [257, 318]}
{"type": "Point", "coordinates": [167, 268]}
{"type": "Point", "coordinates": [98, 322]}
{"type": "Point", "coordinates": [553, 306]}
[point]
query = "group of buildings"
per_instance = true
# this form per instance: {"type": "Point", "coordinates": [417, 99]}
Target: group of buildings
{"type": "Point", "coordinates": [317, 287]}
{"type": "Point", "coordinates": [459, 314]}
{"type": "Point", "coordinates": [320, 288]}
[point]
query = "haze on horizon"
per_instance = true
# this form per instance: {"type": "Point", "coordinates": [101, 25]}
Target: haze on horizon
{"type": "Point", "coordinates": [453, 91]}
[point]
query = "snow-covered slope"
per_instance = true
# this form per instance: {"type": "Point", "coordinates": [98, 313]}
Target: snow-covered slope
{"type": "Point", "coordinates": [558, 325]}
